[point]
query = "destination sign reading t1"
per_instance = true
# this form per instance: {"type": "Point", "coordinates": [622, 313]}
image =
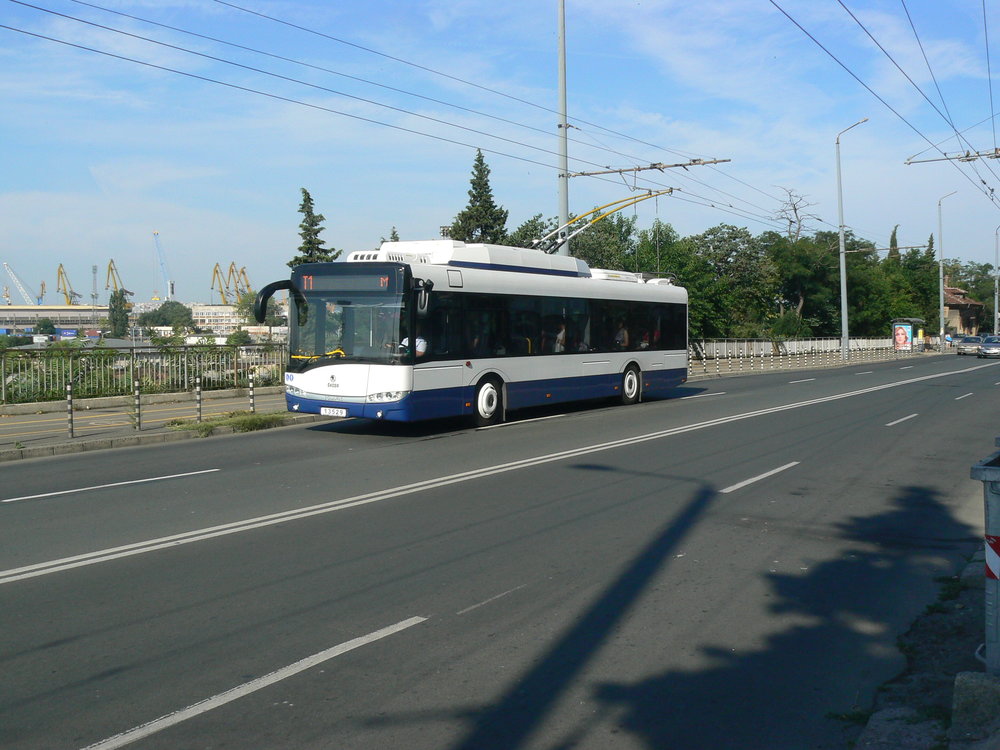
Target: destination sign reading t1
{"type": "Point", "coordinates": [379, 281]}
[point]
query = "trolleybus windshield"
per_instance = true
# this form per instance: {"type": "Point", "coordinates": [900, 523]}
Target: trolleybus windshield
{"type": "Point", "coordinates": [348, 317]}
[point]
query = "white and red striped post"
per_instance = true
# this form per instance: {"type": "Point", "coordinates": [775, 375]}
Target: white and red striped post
{"type": "Point", "coordinates": [988, 471]}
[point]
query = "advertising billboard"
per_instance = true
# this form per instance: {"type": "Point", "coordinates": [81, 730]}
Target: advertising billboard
{"type": "Point", "coordinates": [902, 337]}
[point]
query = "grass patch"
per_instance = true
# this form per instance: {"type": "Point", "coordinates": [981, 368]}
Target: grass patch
{"type": "Point", "coordinates": [237, 421]}
{"type": "Point", "coordinates": [951, 588]}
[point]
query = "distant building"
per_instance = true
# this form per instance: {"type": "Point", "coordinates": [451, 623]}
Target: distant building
{"type": "Point", "coordinates": [962, 314]}
{"type": "Point", "coordinates": [22, 319]}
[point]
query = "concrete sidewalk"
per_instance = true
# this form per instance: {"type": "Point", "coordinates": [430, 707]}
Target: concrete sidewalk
{"type": "Point", "coordinates": [40, 430]}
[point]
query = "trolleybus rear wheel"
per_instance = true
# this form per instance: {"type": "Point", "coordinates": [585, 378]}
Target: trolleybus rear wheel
{"type": "Point", "coordinates": [489, 402]}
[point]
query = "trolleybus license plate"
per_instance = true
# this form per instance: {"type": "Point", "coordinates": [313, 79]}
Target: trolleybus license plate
{"type": "Point", "coordinates": [329, 411]}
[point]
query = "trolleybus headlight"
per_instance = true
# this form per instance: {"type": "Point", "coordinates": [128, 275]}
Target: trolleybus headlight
{"type": "Point", "coordinates": [378, 398]}
{"type": "Point", "coordinates": [294, 390]}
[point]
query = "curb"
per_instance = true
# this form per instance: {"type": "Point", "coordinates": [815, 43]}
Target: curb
{"type": "Point", "coordinates": [128, 441]}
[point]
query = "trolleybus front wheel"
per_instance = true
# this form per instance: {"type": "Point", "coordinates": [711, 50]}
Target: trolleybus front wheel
{"type": "Point", "coordinates": [489, 402]}
{"type": "Point", "coordinates": [631, 382]}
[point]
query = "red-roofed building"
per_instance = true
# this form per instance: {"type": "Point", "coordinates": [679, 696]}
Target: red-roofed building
{"type": "Point", "coordinates": [962, 314]}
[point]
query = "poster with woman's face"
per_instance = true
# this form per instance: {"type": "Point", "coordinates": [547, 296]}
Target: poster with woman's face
{"type": "Point", "coordinates": [902, 337]}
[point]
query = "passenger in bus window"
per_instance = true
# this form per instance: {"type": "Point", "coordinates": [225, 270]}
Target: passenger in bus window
{"type": "Point", "coordinates": [559, 344]}
{"type": "Point", "coordinates": [621, 336]}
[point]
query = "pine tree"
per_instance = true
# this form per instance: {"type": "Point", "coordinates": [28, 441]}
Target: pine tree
{"type": "Point", "coordinates": [118, 313]}
{"type": "Point", "coordinates": [311, 250]}
{"type": "Point", "coordinates": [893, 246]}
{"type": "Point", "coordinates": [482, 220]}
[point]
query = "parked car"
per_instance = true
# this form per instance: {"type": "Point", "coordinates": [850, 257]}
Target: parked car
{"type": "Point", "coordinates": [968, 345]}
{"type": "Point", "coordinates": [990, 347]}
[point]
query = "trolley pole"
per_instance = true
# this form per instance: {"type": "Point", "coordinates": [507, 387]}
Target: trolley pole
{"type": "Point", "coordinates": [988, 471]}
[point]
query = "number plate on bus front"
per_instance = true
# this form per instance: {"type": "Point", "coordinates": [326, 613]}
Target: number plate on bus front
{"type": "Point", "coordinates": [329, 411]}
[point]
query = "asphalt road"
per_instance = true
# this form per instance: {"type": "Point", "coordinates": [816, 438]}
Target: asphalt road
{"type": "Point", "coordinates": [718, 570]}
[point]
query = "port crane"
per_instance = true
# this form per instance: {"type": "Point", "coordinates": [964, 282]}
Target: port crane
{"type": "Point", "coordinates": [23, 289]}
{"type": "Point", "coordinates": [238, 280]}
{"type": "Point", "coordinates": [168, 285]}
{"type": "Point", "coordinates": [114, 281]}
{"type": "Point", "coordinates": [223, 283]}
{"type": "Point", "coordinates": [64, 286]}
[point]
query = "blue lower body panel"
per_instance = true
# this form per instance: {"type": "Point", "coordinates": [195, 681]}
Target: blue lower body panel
{"type": "Point", "coordinates": [454, 402]}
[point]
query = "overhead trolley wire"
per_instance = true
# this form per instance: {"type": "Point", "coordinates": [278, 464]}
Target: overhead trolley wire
{"type": "Point", "coordinates": [906, 75]}
{"type": "Point", "coordinates": [989, 75]}
{"type": "Point", "coordinates": [323, 69]}
{"type": "Point", "coordinates": [301, 82]}
{"type": "Point", "coordinates": [359, 79]}
{"type": "Point", "coordinates": [400, 60]}
{"type": "Point", "coordinates": [989, 193]}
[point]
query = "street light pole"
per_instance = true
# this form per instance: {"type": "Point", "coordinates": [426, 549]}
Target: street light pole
{"type": "Point", "coordinates": [996, 282]}
{"type": "Point", "coordinates": [844, 340]}
{"type": "Point", "coordinates": [941, 274]}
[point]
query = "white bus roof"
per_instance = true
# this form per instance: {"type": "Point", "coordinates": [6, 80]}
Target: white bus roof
{"type": "Point", "coordinates": [478, 257]}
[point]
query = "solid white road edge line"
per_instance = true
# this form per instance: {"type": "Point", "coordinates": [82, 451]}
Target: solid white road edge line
{"type": "Point", "coordinates": [105, 486]}
{"type": "Point", "coordinates": [702, 395]}
{"type": "Point", "coordinates": [893, 424]}
{"type": "Point", "coordinates": [751, 480]}
{"type": "Point", "coordinates": [237, 527]}
{"type": "Point", "coordinates": [152, 727]}
{"type": "Point", "coordinates": [959, 398]}
{"type": "Point", "coordinates": [805, 380]}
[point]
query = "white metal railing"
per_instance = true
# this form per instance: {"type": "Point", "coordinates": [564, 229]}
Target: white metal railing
{"type": "Point", "coordinates": [28, 376]}
{"type": "Point", "coordinates": [715, 357]}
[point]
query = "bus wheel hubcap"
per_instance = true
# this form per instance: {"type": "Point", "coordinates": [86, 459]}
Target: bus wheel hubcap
{"type": "Point", "coordinates": [487, 400]}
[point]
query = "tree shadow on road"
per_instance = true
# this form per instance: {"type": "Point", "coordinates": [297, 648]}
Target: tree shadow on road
{"type": "Point", "coordinates": [781, 696]}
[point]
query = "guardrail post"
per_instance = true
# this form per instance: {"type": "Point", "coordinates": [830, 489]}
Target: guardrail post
{"type": "Point", "coordinates": [253, 404]}
{"type": "Point", "coordinates": [988, 471]}
{"type": "Point", "coordinates": [197, 395]}
{"type": "Point", "coordinates": [69, 408]}
{"type": "Point", "coordinates": [137, 402]}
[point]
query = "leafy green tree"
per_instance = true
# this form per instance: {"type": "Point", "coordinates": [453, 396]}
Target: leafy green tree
{"type": "Point", "coordinates": [118, 313]}
{"type": "Point", "coordinates": [311, 250]}
{"type": "Point", "coordinates": [46, 326]}
{"type": "Point", "coordinates": [745, 279]}
{"type": "Point", "coordinates": [7, 341]}
{"type": "Point", "coordinates": [171, 313]}
{"type": "Point", "coordinates": [533, 229]}
{"type": "Point", "coordinates": [239, 337]}
{"type": "Point", "coordinates": [808, 283]}
{"type": "Point", "coordinates": [482, 220]}
{"type": "Point", "coordinates": [244, 310]}
{"type": "Point", "coordinates": [610, 243]}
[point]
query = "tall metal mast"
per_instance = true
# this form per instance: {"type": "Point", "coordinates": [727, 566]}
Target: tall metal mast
{"type": "Point", "coordinates": [564, 128]}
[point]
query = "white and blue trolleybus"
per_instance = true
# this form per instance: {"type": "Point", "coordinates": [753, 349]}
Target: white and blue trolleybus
{"type": "Point", "coordinates": [441, 328]}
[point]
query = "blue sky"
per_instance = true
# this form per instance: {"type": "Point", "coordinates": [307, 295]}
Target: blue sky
{"type": "Point", "coordinates": [98, 152]}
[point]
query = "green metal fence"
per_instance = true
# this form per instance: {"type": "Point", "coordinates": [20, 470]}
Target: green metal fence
{"type": "Point", "coordinates": [28, 376]}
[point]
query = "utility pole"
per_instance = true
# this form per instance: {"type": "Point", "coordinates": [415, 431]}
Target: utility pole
{"type": "Point", "coordinates": [941, 271]}
{"type": "Point", "coordinates": [845, 341]}
{"type": "Point", "coordinates": [564, 132]}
